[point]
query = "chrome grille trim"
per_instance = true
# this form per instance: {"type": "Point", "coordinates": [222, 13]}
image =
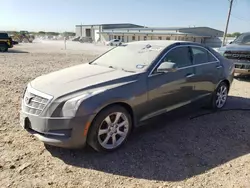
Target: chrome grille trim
{"type": "Point", "coordinates": [34, 102]}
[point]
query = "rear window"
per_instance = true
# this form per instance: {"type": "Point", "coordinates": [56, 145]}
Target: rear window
{"type": "Point", "coordinates": [4, 35]}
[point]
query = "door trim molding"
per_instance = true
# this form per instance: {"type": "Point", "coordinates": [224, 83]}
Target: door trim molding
{"type": "Point", "coordinates": [170, 108]}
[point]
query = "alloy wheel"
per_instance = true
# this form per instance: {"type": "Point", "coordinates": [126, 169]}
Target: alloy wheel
{"type": "Point", "coordinates": [221, 96]}
{"type": "Point", "coordinates": [113, 130]}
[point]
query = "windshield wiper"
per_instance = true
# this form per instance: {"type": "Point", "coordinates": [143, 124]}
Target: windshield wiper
{"type": "Point", "coordinates": [127, 70]}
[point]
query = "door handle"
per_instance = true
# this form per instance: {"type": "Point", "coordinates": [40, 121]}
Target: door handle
{"type": "Point", "coordinates": [189, 75]}
{"type": "Point", "coordinates": [219, 66]}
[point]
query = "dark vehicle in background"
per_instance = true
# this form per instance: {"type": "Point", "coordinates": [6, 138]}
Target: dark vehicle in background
{"type": "Point", "coordinates": [76, 39]}
{"type": "Point", "coordinates": [239, 52]}
{"type": "Point", "coordinates": [100, 102]}
{"type": "Point", "coordinates": [14, 42]}
{"type": "Point", "coordinates": [5, 42]}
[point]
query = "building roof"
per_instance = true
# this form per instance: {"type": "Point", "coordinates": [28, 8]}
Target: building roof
{"type": "Point", "coordinates": [171, 28]}
{"type": "Point", "coordinates": [153, 33]}
{"type": "Point", "coordinates": [111, 24]}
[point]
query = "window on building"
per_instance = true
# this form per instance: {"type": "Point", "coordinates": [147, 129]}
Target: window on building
{"type": "Point", "coordinates": [167, 38]}
{"type": "Point", "coordinates": [145, 38]}
{"type": "Point", "coordinates": [133, 38]}
{"type": "Point", "coordinates": [114, 36]}
{"type": "Point", "coordinates": [181, 56]}
{"type": "Point", "coordinates": [201, 56]}
{"type": "Point", "coordinates": [122, 38]}
{"type": "Point", "coordinates": [119, 37]}
{"type": "Point", "coordinates": [139, 38]}
{"type": "Point", "coordinates": [159, 38]}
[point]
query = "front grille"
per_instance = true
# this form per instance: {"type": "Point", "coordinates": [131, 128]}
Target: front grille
{"type": "Point", "coordinates": [242, 66]}
{"type": "Point", "coordinates": [238, 55]}
{"type": "Point", "coordinates": [34, 103]}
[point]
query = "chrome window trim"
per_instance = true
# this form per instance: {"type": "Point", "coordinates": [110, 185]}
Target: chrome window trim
{"type": "Point", "coordinates": [184, 45]}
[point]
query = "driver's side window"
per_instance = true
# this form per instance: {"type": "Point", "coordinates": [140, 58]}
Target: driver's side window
{"type": "Point", "coordinates": [181, 56]}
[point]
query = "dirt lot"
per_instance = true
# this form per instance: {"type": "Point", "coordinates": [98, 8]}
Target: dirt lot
{"type": "Point", "coordinates": [179, 152]}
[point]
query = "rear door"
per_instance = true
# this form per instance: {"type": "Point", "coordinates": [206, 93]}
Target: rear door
{"type": "Point", "coordinates": [167, 91]}
{"type": "Point", "coordinates": [207, 71]}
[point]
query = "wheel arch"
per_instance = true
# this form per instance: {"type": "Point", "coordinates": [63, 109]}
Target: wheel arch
{"type": "Point", "coordinates": [225, 81]}
{"type": "Point", "coordinates": [123, 104]}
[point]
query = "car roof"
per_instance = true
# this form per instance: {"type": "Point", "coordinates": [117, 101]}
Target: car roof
{"type": "Point", "coordinates": [161, 43]}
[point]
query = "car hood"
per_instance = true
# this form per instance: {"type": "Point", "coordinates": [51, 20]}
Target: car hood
{"type": "Point", "coordinates": [237, 47]}
{"type": "Point", "coordinates": [79, 78]}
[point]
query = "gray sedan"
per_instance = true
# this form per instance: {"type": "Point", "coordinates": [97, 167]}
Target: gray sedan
{"type": "Point", "coordinates": [99, 103]}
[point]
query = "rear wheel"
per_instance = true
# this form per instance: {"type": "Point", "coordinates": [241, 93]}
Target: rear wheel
{"type": "Point", "coordinates": [220, 95]}
{"type": "Point", "coordinates": [4, 48]}
{"type": "Point", "coordinates": [110, 129]}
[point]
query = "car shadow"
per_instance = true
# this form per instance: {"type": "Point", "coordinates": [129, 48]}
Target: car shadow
{"type": "Point", "coordinates": [12, 51]}
{"type": "Point", "coordinates": [174, 146]}
{"type": "Point", "coordinates": [244, 78]}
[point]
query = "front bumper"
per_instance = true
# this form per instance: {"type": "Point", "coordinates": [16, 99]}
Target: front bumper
{"type": "Point", "coordinates": [242, 67]}
{"type": "Point", "coordinates": [61, 132]}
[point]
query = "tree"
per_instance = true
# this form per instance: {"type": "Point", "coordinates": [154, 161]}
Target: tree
{"type": "Point", "coordinates": [236, 34]}
{"type": "Point", "coordinates": [41, 33]}
{"type": "Point", "coordinates": [52, 33]}
{"type": "Point", "coordinates": [69, 34]}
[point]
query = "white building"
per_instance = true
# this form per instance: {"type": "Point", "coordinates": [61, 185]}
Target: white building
{"type": "Point", "coordinates": [131, 32]}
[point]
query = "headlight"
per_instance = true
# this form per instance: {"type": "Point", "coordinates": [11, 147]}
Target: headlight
{"type": "Point", "coordinates": [70, 107]}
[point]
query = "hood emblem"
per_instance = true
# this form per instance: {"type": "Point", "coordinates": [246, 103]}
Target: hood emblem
{"type": "Point", "coordinates": [28, 99]}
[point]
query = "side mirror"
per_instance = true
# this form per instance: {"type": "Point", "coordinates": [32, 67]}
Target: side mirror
{"type": "Point", "coordinates": [167, 67]}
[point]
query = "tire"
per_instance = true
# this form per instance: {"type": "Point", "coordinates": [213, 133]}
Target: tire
{"type": "Point", "coordinates": [219, 97]}
{"type": "Point", "coordinates": [120, 44]}
{"type": "Point", "coordinates": [4, 48]}
{"type": "Point", "coordinates": [102, 131]}
{"type": "Point", "coordinates": [111, 44]}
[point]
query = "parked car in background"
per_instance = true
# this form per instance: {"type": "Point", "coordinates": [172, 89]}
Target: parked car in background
{"type": "Point", "coordinates": [114, 42]}
{"type": "Point", "coordinates": [239, 52]}
{"type": "Point", "coordinates": [5, 42]}
{"type": "Point", "coordinates": [14, 42]}
{"type": "Point", "coordinates": [85, 40]}
{"type": "Point", "coordinates": [100, 102]}
{"type": "Point", "coordinates": [76, 39]}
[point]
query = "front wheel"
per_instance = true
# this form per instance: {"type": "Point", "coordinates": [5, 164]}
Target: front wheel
{"type": "Point", "coordinates": [220, 95]}
{"type": "Point", "coordinates": [110, 129]}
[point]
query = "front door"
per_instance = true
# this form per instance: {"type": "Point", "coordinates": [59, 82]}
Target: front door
{"type": "Point", "coordinates": [167, 91]}
{"type": "Point", "coordinates": [207, 71]}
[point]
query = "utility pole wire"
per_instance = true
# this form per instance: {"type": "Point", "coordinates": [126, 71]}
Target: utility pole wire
{"type": "Point", "coordinates": [228, 18]}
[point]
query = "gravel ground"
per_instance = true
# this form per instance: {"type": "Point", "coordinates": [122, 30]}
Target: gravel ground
{"type": "Point", "coordinates": [172, 151]}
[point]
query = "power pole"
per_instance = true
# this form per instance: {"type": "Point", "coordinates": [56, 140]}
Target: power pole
{"type": "Point", "coordinates": [228, 18]}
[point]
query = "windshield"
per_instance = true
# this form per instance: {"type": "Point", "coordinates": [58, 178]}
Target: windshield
{"type": "Point", "coordinates": [243, 39]}
{"type": "Point", "coordinates": [132, 57]}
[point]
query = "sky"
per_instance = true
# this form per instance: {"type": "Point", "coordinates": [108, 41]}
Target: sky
{"type": "Point", "coordinates": [63, 15]}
